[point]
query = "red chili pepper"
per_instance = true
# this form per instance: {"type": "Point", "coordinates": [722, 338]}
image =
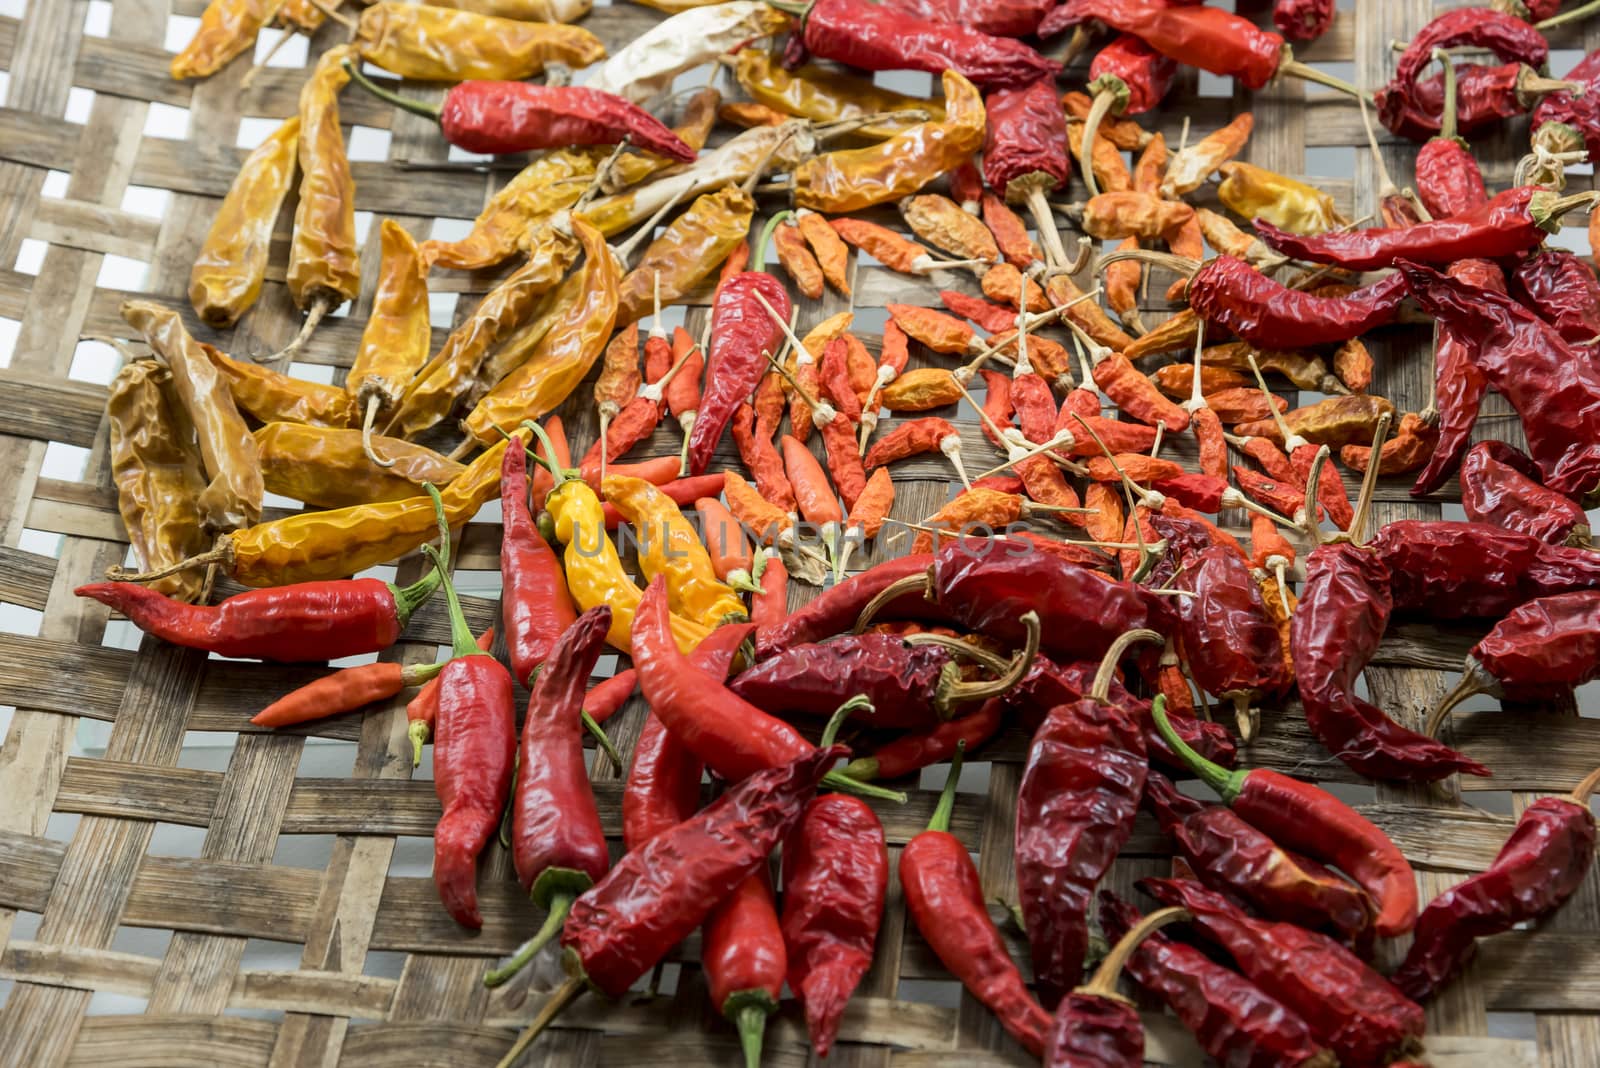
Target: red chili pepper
{"type": "Point", "coordinates": [1511, 38]}
{"type": "Point", "coordinates": [1303, 20]}
{"type": "Point", "coordinates": [1448, 179]}
{"type": "Point", "coordinates": [422, 711]}
{"type": "Point", "coordinates": [836, 609]}
{"type": "Point", "coordinates": [742, 953]}
{"type": "Point", "coordinates": [663, 787]}
{"type": "Point", "coordinates": [1131, 391]}
{"type": "Point", "coordinates": [557, 455]}
{"type": "Point", "coordinates": [1234, 1021]}
{"type": "Point", "coordinates": [1306, 818]}
{"type": "Point", "coordinates": [1002, 18]}
{"type": "Point", "coordinates": [499, 117]}
{"type": "Point", "coordinates": [1231, 294]}
{"type": "Point", "coordinates": [724, 539]}
{"type": "Point", "coordinates": [761, 459]}
{"type": "Point", "coordinates": [1202, 493]}
{"type": "Point", "coordinates": [913, 752]}
{"type": "Point", "coordinates": [1080, 791]}
{"type": "Point", "coordinates": [1542, 864]}
{"type": "Point", "coordinates": [1025, 152]}
{"type": "Point", "coordinates": [966, 186]}
{"type": "Point", "coordinates": [834, 376]}
{"type": "Point", "coordinates": [1500, 485]}
{"type": "Point", "coordinates": [557, 844]}
{"type": "Point", "coordinates": [606, 698]}
{"type": "Point", "coordinates": [997, 407]}
{"type": "Point", "coordinates": [945, 900]}
{"type": "Point", "coordinates": [1131, 74]}
{"type": "Point", "coordinates": [844, 460]}
{"type": "Point", "coordinates": [1573, 121]}
{"type": "Point", "coordinates": [1010, 233]}
{"type": "Point", "coordinates": [1563, 291]}
{"type": "Point", "coordinates": [306, 622]}
{"type": "Point", "coordinates": [994, 318]}
{"type": "Point", "coordinates": [1348, 1006]}
{"type": "Point", "coordinates": [476, 739]}
{"type": "Point", "coordinates": [872, 507]}
{"type": "Point", "coordinates": [835, 879]}
{"type": "Point", "coordinates": [1486, 96]}
{"type": "Point", "coordinates": [742, 329]}
{"type": "Point", "coordinates": [534, 600]}
{"type": "Point", "coordinates": [896, 350]}
{"type": "Point", "coordinates": [1473, 570]}
{"type": "Point", "coordinates": [1458, 384]}
{"type": "Point", "coordinates": [873, 37]}
{"type": "Point", "coordinates": [343, 691]}
{"type": "Point", "coordinates": [1232, 857]}
{"type": "Point", "coordinates": [913, 437]}
{"type": "Point", "coordinates": [1552, 385]}
{"type": "Point", "coordinates": [1285, 500]}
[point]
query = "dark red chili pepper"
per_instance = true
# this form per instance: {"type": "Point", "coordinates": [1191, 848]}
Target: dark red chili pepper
{"type": "Point", "coordinates": [1303, 20]}
{"type": "Point", "coordinates": [534, 599]}
{"type": "Point", "coordinates": [1459, 385]}
{"type": "Point", "coordinates": [835, 879]}
{"type": "Point", "coordinates": [1344, 607]}
{"type": "Point", "coordinates": [474, 744]}
{"type": "Point", "coordinates": [1306, 818]}
{"type": "Point", "coordinates": [1002, 18]}
{"type": "Point", "coordinates": [873, 37]}
{"type": "Point", "coordinates": [1514, 40]}
{"type": "Point", "coordinates": [1474, 570]}
{"type": "Point", "coordinates": [1350, 1008]}
{"type": "Point", "coordinates": [742, 953]}
{"type": "Point", "coordinates": [1573, 121]}
{"type": "Point", "coordinates": [1486, 97]}
{"type": "Point", "coordinates": [836, 609]}
{"type": "Point", "coordinates": [494, 118]}
{"type": "Point", "coordinates": [1025, 151]}
{"type": "Point", "coordinates": [1075, 807]}
{"type": "Point", "coordinates": [1135, 77]}
{"type": "Point", "coordinates": [913, 752]}
{"type": "Point", "coordinates": [1500, 485]}
{"type": "Point", "coordinates": [1275, 495]}
{"type": "Point", "coordinates": [1508, 224]}
{"type": "Point", "coordinates": [944, 898]}
{"type": "Point", "coordinates": [1232, 857]}
{"type": "Point", "coordinates": [1563, 291]}
{"type": "Point", "coordinates": [833, 375]}
{"type": "Point", "coordinates": [742, 329]}
{"type": "Point", "coordinates": [306, 622]}
{"type": "Point", "coordinates": [1552, 385]}
{"type": "Point", "coordinates": [1542, 864]}
{"type": "Point", "coordinates": [557, 844]}
{"type": "Point", "coordinates": [1236, 1022]}
{"type": "Point", "coordinates": [1229, 293]}
{"type": "Point", "coordinates": [1448, 179]}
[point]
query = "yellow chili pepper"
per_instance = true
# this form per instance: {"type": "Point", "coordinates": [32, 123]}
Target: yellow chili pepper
{"type": "Point", "coordinates": [550, 183]}
{"type": "Point", "coordinates": [157, 474]}
{"type": "Point", "coordinates": [273, 397]}
{"type": "Point", "coordinates": [515, 350]}
{"type": "Point", "coordinates": [565, 354]}
{"type": "Point", "coordinates": [302, 15]}
{"type": "Point", "coordinates": [699, 116]}
{"type": "Point", "coordinates": [686, 253]}
{"type": "Point", "coordinates": [436, 44]}
{"type": "Point", "coordinates": [940, 222]}
{"type": "Point", "coordinates": [668, 545]}
{"type": "Point", "coordinates": [921, 389]}
{"type": "Point", "coordinates": [853, 179]}
{"type": "Point", "coordinates": [822, 95]}
{"type": "Point", "coordinates": [233, 497]}
{"type": "Point", "coordinates": [524, 10]}
{"type": "Point", "coordinates": [395, 342]}
{"type": "Point", "coordinates": [227, 275]}
{"type": "Point", "coordinates": [594, 570]}
{"type": "Point", "coordinates": [328, 468]}
{"type": "Point", "coordinates": [1257, 193]}
{"type": "Point", "coordinates": [227, 28]}
{"type": "Point", "coordinates": [507, 307]}
{"type": "Point", "coordinates": [1191, 167]}
{"type": "Point", "coordinates": [324, 258]}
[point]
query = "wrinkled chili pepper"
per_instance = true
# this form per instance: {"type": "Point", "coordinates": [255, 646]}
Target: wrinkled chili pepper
{"type": "Point", "coordinates": [396, 339]}
{"type": "Point", "coordinates": [534, 601]}
{"type": "Point", "coordinates": [547, 185]}
{"type": "Point", "coordinates": [1563, 291]}
{"type": "Point", "coordinates": [1115, 215]}
{"type": "Point", "coordinates": [1131, 391]}
{"type": "Point", "coordinates": [1229, 293]}
{"type": "Point", "coordinates": [1408, 450]}
{"type": "Point", "coordinates": [227, 28]}
{"type": "Point", "coordinates": [1303, 20]}
{"type": "Point", "coordinates": [232, 263]}
{"type": "Point", "coordinates": [1126, 77]}
{"type": "Point", "coordinates": [687, 251]}
{"type": "Point", "coordinates": [1195, 163]}
{"type": "Point", "coordinates": [869, 37]}
{"type": "Point", "coordinates": [832, 254]}
{"type": "Point", "coordinates": [1024, 154]}
{"type": "Point", "coordinates": [761, 459]}
{"type": "Point", "coordinates": [911, 438]}
{"type": "Point", "coordinates": [1257, 193]}
{"type": "Point", "coordinates": [1509, 37]}
{"type": "Point", "coordinates": [1334, 422]}
{"type": "Point", "coordinates": [272, 396]}
{"type": "Point", "coordinates": [1500, 485]}
{"type": "Point", "coordinates": [913, 751]}
{"type": "Point", "coordinates": [1541, 865]}
{"type": "Point", "coordinates": [647, 65]}
{"type": "Point", "coordinates": [432, 44]}
{"type": "Point", "coordinates": [797, 260]}
{"type": "Point", "coordinates": [1459, 385]}
{"type": "Point", "coordinates": [1430, 570]}
{"type": "Point", "coordinates": [1448, 179]}
{"type": "Point", "coordinates": [1010, 232]}
{"type": "Point", "coordinates": [824, 95]}
{"type": "Point", "coordinates": [940, 222]}
{"type": "Point", "coordinates": [329, 468]}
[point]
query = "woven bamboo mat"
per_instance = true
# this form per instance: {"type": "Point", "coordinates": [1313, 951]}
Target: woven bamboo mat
{"type": "Point", "coordinates": [352, 961]}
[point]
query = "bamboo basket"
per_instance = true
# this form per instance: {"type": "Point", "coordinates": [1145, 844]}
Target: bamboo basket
{"type": "Point", "coordinates": [349, 959]}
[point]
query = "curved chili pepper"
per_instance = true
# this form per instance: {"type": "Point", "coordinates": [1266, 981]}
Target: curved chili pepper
{"type": "Point", "coordinates": [670, 548]}
{"type": "Point", "coordinates": [1230, 293]}
{"type": "Point", "coordinates": [422, 711]}
{"type": "Point", "coordinates": [911, 438]}
{"type": "Point", "coordinates": [1567, 121]}
{"type": "Point", "coordinates": [1485, 96]}
{"type": "Point", "coordinates": [1075, 807]}
{"type": "Point", "coordinates": [1511, 38]}
{"type": "Point", "coordinates": [1303, 20]}
{"type": "Point", "coordinates": [945, 900]}
{"type": "Point", "coordinates": [1564, 292]}
{"type": "Point", "coordinates": [762, 460]}
{"type": "Point", "coordinates": [1500, 485]}
{"type": "Point", "coordinates": [537, 608]}
{"type": "Point", "coordinates": [1236, 1022]}
{"type": "Point", "coordinates": [835, 879]}
{"type": "Point", "coordinates": [1306, 818]}
{"type": "Point", "coordinates": [1474, 570]}
{"type": "Point", "coordinates": [1010, 233]}
{"type": "Point", "coordinates": [1347, 1005]}
{"type": "Point", "coordinates": [1448, 179]}
{"type": "Point", "coordinates": [913, 752]}
{"type": "Point", "coordinates": [1459, 385]}
{"type": "Point", "coordinates": [1542, 864]}
{"type": "Point", "coordinates": [872, 37]}
{"type": "Point", "coordinates": [232, 263]}
{"type": "Point", "coordinates": [343, 691]}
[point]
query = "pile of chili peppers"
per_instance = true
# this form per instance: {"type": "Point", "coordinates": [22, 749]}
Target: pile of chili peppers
{"type": "Point", "coordinates": [1085, 594]}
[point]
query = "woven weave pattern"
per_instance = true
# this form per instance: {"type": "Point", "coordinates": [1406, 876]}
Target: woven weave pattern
{"type": "Point", "coordinates": [204, 1003]}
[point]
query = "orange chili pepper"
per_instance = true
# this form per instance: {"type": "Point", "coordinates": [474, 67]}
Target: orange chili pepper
{"type": "Point", "coordinates": [683, 392]}
{"type": "Point", "coordinates": [1353, 364]}
{"type": "Point", "coordinates": [934, 329]}
{"type": "Point", "coordinates": [1207, 427]}
{"type": "Point", "coordinates": [1187, 241]}
{"type": "Point", "coordinates": [1176, 380]}
{"type": "Point", "coordinates": [762, 518]}
{"type": "Point", "coordinates": [1408, 450]}
{"type": "Point", "coordinates": [1004, 284]}
{"type": "Point", "coordinates": [1010, 232]}
{"type": "Point", "coordinates": [832, 254]}
{"type": "Point", "coordinates": [1121, 281]}
{"type": "Point", "coordinates": [1087, 314]}
{"type": "Point", "coordinates": [896, 351]}
{"type": "Point", "coordinates": [726, 544]}
{"type": "Point", "coordinates": [228, 272]}
{"type": "Point", "coordinates": [1228, 240]}
{"type": "Point", "coordinates": [1178, 332]}
{"type": "Point", "coordinates": [748, 113]}
{"type": "Point", "coordinates": [1266, 541]}
{"type": "Point", "coordinates": [1242, 405]}
{"type": "Point", "coordinates": [1333, 422]}
{"type": "Point", "coordinates": [1191, 167]}
{"type": "Point", "coordinates": [1106, 521]}
{"type": "Point", "coordinates": [1131, 391]}
{"type": "Point", "coordinates": [861, 368]}
{"type": "Point", "coordinates": [541, 482]}
{"type": "Point", "coordinates": [884, 245]}
{"type": "Point", "coordinates": [1128, 214]}
{"type": "Point", "coordinates": [1138, 467]}
{"type": "Point", "coordinates": [1118, 436]}
{"type": "Point", "coordinates": [1121, 131]}
{"type": "Point", "coordinates": [997, 407]}
{"type": "Point", "coordinates": [1110, 169]}
{"type": "Point", "coordinates": [1280, 603]}
{"type": "Point", "coordinates": [619, 379]}
{"type": "Point", "coordinates": [768, 404]}
{"type": "Point", "coordinates": [343, 691]}
{"type": "Point", "coordinates": [971, 508]}
{"type": "Point", "coordinates": [1150, 165]}
{"type": "Point", "coordinates": [921, 390]}
{"type": "Point", "coordinates": [798, 262]}
{"type": "Point", "coordinates": [940, 222]}
{"type": "Point", "coordinates": [872, 506]}
{"type": "Point", "coordinates": [761, 459]}
{"type": "Point", "coordinates": [818, 503]}
{"type": "Point", "coordinates": [1138, 526]}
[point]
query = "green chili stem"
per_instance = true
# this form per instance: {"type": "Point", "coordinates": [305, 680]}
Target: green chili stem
{"type": "Point", "coordinates": [601, 739]}
{"type": "Point", "coordinates": [752, 1025]}
{"type": "Point", "coordinates": [831, 731]}
{"type": "Point", "coordinates": [1225, 782]}
{"type": "Point", "coordinates": [416, 107]}
{"type": "Point", "coordinates": [548, 461]}
{"type": "Point", "coordinates": [560, 905]}
{"type": "Point", "coordinates": [462, 643]}
{"type": "Point", "coordinates": [947, 797]}
{"type": "Point", "coordinates": [758, 256]}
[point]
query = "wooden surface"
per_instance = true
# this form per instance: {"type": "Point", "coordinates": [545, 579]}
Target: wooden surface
{"type": "Point", "coordinates": [382, 975]}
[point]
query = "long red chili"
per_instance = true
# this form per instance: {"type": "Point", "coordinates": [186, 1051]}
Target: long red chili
{"type": "Point", "coordinates": [1458, 385]}
{"type": "Point", "coordinates": [422, 711]}
{"type": "Point", "coordinates": [1001, 18]}
{"type": "Point", "coordinates": [836, 609]}
{"type": "Point", "coordinates": [1476, 571]}
{"type": "Point", "coordinates": [742, 951]}
{"type": "Point", "coordinates": [1306, 818]}
{"type": "Point", "coordinates": [533, 599]}
{"type": "Point", "coordinates": [914, 751]}
{"type": "Point", "coordinates": [343, 691]}
{"type": "Point", "coordinates": [1230, 293]}
{"type": "Point", "coordinates": [1563, 291]}
{"type": "Point", "coordinates": [835, 879]}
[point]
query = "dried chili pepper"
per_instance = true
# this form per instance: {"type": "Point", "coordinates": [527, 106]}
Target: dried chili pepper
{"type": "Point", "coordinates": [824, 95]}
{"type": "Point", "coordinates": [272, 396]}
{"type": "Point", "coordinates": [687, 251]}
{"type": "Point", "coordinates": [762, 460]}
{"type": "Point", "coordinates": [669, 547]}
{"type": "Point", "coordinates": [1192, 165]}
{"type": "Point", "coordinates": [1131, 391]}
{"type": "Point", "coordinates": [232, 497]}
{"type": "Point", "coordinates": [158, 475]}
{"type": "Point", "coordinates": [1024, 154]}
{"type": "Point", "coordinates": [1229, 293]}
{"type": "Point", "coordinates": [1334, 422]}
{"type": "Point", "coordinates": [1509, 37]}
{"type": "Point", "coordinates": [914, 751]}
{"type": "Point", "coordinates": [1303, 20]}
{"type": "Point", "coordinates": [832, 254]}
{"type": "Point", "coordinates": [1500, 485]}
{"type": "Point", "coordinates": [647, 65]}
{"type": "Point", "coordinates": [1125, 134]}
{"type": "Point", "coordinates": [432, 44]}
{"type": "Point", "coordinates": [911, 438]}
{"type": "Point", "coordinates": [534, 600]}
{"type": "Point", "coordinates": [1448, 179]}
{"type": "Point", "coordinates": [1284, 499]}
{"type": "Point", "coordinates": [1459, 385]}
{"type": "Point", "coordinates": [232, 263]}
{"type": "Point", "coordinates": [874, 38]}
{"type": "Point", "coordinates": [833, 374]}
{"type": "Point", "coordinates": [945, 900]}
{"type": "Point", "coordinates": [395, 341]}
{"type": "Point", "coordinates": [1541, 865]}
{"type": "Point", "coordinates": [797, 260]}
{"type": "Point", "coordinates": [1113, 216]}
{"type": "Point", "coordinates": [1474, 570]}
{"type": "Point", "coordinates": [227, 28]}
{"type": "Point", "coordinates": [747, 113]}
{"type": "Point", "coordinates": [1010, 232]}
{"type": "Point", "coordinates": [525, 10]}
{"type": "Point", "coordinates": [940, 222]}
{"type": "Point", "coordinates": [1563, 290]}
{"type": "Point", "coordinates": [1234, 1021]}
{"type": "Point", "coordinates": [1409, 449]}
{"type": "Point", "coordinates": [330, 469]}
{"type": "Point", "coordinates": [1075, 808]}
{"type": "Point", "coordinates": [836, 609]}
{"type": "Point", "coordinates": [547, 185]}
{"type": "Point", "coordinates": [922, 389]}
{"type": "Point", "coordinates": [1257, 193]}
{"type": "Point", "coordinates": [1127, 77]}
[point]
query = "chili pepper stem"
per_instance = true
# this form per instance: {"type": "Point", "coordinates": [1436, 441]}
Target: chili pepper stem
{"type": "Point", "coordinates": [321, 304]}
{"type": "Point", "coordinates": [1474, 680]}
{"type": "Point", "coordinates": [1308, 514]}
{"type": "Point", "coordinates": [1386, 186]}
{"type": "Point", "coordinates": [1044, 222]}
{"type": "Point", "coordinates": [1288, 65]}
{"type": "Point", "coordinates": [559, 999]}
{"type": "Point", "coordinates": [940, 820]}
{"type": "Point", "coordinates": [1369, 484]}
{"type": "Point", "coordinates": [1100, 690]}
{"type": "Point", "coordinates": [560, 905]}
{"type": "Point", "coordinates": [1291, 440]}
{"type": "Point", "coordinates": [751, 1023]}
{"type": "Point", "coordinates": [857, 703]}
{"type": "Point", "coordinates": [647, 229]}
{"type": "Point", "coordinates": [416, 107]}
{"type": "Point", "coordinates": [222, 554]}
{"type": "Point", "coordinates": [250, 75]}
{"type": "Point", "coordinates": [418, 732]}
{"type": "Point", "coordinates": [959, 647]}
{"type": "Point", "coordinates": [954, 691]}
{"type": "Point", "coordinates": [921, 583]}
{"type": "Point", "coordinates": [1580, 793]}
{"type": "Point", "coordinates": [1225, 782]}
{"type": "Point", "coordinates": [1582, 11]}
{"type": "Point", "coordinates": [1055, 441]}
{"type": "Point", "coordinates": [601, 739]}
{"type": "Point", "coordinates": [373, 401]}
{"type": "Point", "coordinates": [1104, 983]}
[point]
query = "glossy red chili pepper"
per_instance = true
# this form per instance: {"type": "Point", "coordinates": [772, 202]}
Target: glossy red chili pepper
{"type": "Point", "coordinates": [1002, 18]}
{"type": "Point", "coordinates": [534, 599]}
{"type": "Point", "coordinates": [1136, 75]}
{"type": "Point", "coordinates": [1303, 20]}
{"type": "Point", "coordinates": [761, 459]}
{"type": "Point", "coordinates": [1075, 807]}
{"type": "Point", "coordinates": [498, 117]}
{"type": "Point", "coordinates": [875, 37]}
{"type": "Point", "coordinates": [742, 953]}
{"type": "Point", "coordinates": [1459, 385]}
{"type": "Point", "coordinates": [770, 608]}
{"type": "Point", "coordinates": [1542, 864]}
{"type": "Point", "coordinates": [1306, 818]}
{"type": "Point", "coordinates": [835, 610]}
{"type": "Point", "coordinates": [1511, 38]}
{"type": "Point", "coordinates": [1232, 857]}
{"type": "Point", "coordinates": [741, 330]}
{"type": "Point", "coordinates": [944, 898]}
{"type": "Point", "coordinates": [1562, 289]}
{"type": "Point", "coordinates": [1500, 485]}
{"type": "Point", "coordinates": [475, 742]}
{"type": "Point", "coordinates": [914, 751]}
{"type": "Point", "coordinates": [1230, 293]}
{"type": "Point", "coordinates": [306, 622]}
{"type": "Point", "coordinates": [1236, 1022]}
{"type": "Point", "coordinates": [1349, 1007]}
{"type": "Point", "coordinates": [1552, 385]}
{"type": "Point", "coordinates": [1473, 570]}
{"type": "Point", "coordinates": [422, 711]}
{"type": "Point", "coordinates": [1025, 148]}
{"type": "Point", "coordinates": [1204, 37]}
{"type": "Point", "coordinates": [835, 879]}
{"type": "Point", "coordinates": [343, 691]}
